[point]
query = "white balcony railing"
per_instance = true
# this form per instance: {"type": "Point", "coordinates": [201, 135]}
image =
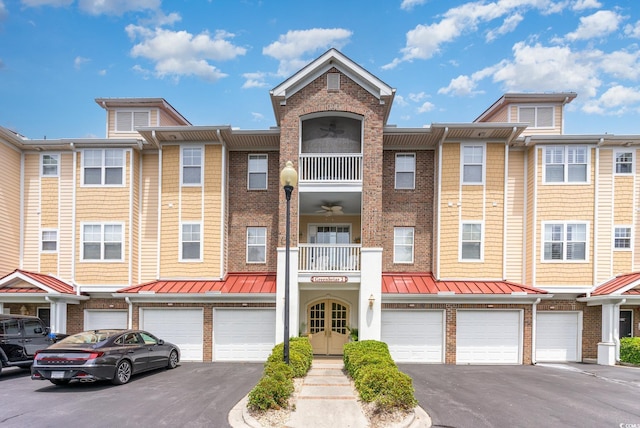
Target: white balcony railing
{"type": "Point", "coordinates": [341, 167]}
{"type": "Point", "coordinates": [329, 257]}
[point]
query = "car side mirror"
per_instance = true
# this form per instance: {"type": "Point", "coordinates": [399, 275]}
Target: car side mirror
{"type": "Point", "coordinates": [160, 342]}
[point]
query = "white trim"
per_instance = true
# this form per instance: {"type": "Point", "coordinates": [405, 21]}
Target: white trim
{"type": "Point", "coordinates": [613, 237]}
{"type": "Point", "coordinates": [52, 155]}
{"type": "Point", "coordinates": [483, 165]}
{"type": "Point", "coordinates": [41, 241]}
{"type": "Point", "coordinates": [564, 224]}
{"type": "Point", "coordinates": [565, 164]}
{"type": "Point", "coordinates": [633, 162]}
{"type": "Point", "coordinates": [132, 111]}
{"type": "Point", "coordinates": [413, 244]}
{"type": "Point", "coordinates": [266, 231]}
{"type": "Point", "coordinates": [102, 241]}
{"type": "Point", "coordinates": [257, 156]}
{"type": "Point", "coordinates": [413, 171]}
{"type": "Point", "coordinates": [182, 166]}
{"type": "Point", "coordinates": [534, 125]}
{"type": "Point", "coordinates": [181, 242]}
{"type": "Point", "coordinates": [103, 168]}
{"type": "Point", "coordinates": [460, 241]}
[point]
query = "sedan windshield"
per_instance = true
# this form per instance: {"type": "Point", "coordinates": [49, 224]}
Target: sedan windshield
{"type": "Point", "coordinates": [90, 337]}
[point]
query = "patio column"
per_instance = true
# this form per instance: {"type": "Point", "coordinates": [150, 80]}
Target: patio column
{"type": "Point", "coordinates": [294, 294]}
{"type": "Point", "coordinates": [370, 304]}
{"type": "Point", "coordinates": [58, 315]}
{"type": "Point", "coordinates": [608, 349]}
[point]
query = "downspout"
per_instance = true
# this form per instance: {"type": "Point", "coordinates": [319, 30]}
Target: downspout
{"type": "Point", "coordinates": [439, 211]}
{"type": "Point", "coordinates": [534, 315]}
{"type": "Point", "coordinates": [505, 201]}
{"type": "Point", "coordinates": [596, 216]}
{"type": "Point", "coordinates": [223, 204]}
{"type": "Point", "coordinates": [159, 228]}
{"type": "Point", "coordinates": [130, 321]}
{"type": "Point", "coordinates": [73, 219]}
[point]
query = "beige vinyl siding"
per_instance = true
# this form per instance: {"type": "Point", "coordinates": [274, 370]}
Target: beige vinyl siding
{"type": "Point", "coordinates": [515, 217]}
{"type": "Point", "coordinates": [170, 233]}
{"type": "Point", "coordinates": [213, 216]}
{"type": "Point", "coordinates": [622, 215]}
{"type": "Point", "coordinates": [9, 209]}
{"type": "Point", "coordinates": [449, 221]}
{"type": "Point", "coordinates": [148, 257]}
{"type": "Point", "coordinates": [166, 120]}
{"type": "Point", "coordinates": [605, 225]}
{"type": "Point", "coordinates": [32, 206]}
{"type": "Point", "coordinates": [500, 116]}
{"type": "Point", "coordinates": [97, 204]}
{"type": "Point", "coordinates": [65, 219]}
{"type": "Point", "coordinates": [49, 214]}
{"type": "Point", "coordinates": [565, 203]}
{"type": "Point", "coordinates": [636, 225]}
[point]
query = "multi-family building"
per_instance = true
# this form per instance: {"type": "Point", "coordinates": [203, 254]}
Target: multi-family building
{"type": "Point", "coordinates": [501, 240]}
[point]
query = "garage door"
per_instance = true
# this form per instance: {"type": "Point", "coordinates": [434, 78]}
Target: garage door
{"type": "Point", "coordinates": [557, 336]}
{"type": "Point", "coordinates": [94, 320]}
{"type": "Point", "coordinates": [243, 334]}
{"type": "Point", "coordinates": [488, 337]}
{"type": "Point", "coordinates": [414, 336]}
{"type": "Point", "coordinates": [183, 327]}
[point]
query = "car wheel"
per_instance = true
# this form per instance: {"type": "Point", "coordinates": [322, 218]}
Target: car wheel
{"type": "Point", "coordinates": [123, 373]}
{"type": "Point", "coordinates": [173, 360]}
{"type": "Point", "coordinates": [59, 381]}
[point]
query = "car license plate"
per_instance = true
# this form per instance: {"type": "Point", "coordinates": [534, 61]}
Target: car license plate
{"type": "Point", "coordinates": [57, 375]}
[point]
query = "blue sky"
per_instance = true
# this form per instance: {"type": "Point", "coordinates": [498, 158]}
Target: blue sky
{"type": "Point", "coordinates": [215, 61]}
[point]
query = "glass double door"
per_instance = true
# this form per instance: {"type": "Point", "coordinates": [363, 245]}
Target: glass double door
{"type": "Point", "coordinates": [328, 325]}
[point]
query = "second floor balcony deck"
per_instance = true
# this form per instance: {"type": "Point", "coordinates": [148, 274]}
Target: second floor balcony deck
{"type": "Point", "coordinates": [320, 258]}
{"type": "Point", "coordinates": [330, 168]}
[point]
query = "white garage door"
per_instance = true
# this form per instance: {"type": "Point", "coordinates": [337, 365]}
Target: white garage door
{"type": "Point", "coordinates": [183, 327]}
{"type": "Point", "coordinates": [95, 320]}
{"type": "Point", "coordinates": [414, 336]}
{"type": "Point", "coordinates": [488, 337]}
{"type": "Point", "coordinates": [243, 334]}
{"type": "Point", "coordinates": [557, 336]}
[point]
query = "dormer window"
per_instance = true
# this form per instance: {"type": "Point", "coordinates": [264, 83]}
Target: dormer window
{"type": "Point", "coordinates": [538, 117]}
{"type": "Point", "coordinates": [128, 121]}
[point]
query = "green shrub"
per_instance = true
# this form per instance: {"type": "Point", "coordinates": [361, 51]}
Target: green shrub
{"type": "Point", "coordinates": [366, 352]}
{"type": "Point", "coordinates": [630, 350]}
{"type": "Point", "coordinates": [271, 392]}
{"type": "Point", "coordinates": [300, 355]}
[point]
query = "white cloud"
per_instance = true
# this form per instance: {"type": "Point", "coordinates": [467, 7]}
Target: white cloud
{"type": "Point", "coordinates": [254, 80]}
{"type": "Point", "coordinates": [633, 30]}
{"type": "Point", "coordinates": [508, 25]}
{"type": "Point", "coordinates": [52, 3]}
{"type": "Point", "coordinates": [257, 117]}
{"type": "Point", "coordinates": [117, 7]}
{"type": "Point", "coordinates": [180, 53]}
{"type": "Point", "coordinates": [622, 64]}
{"type": "Point", "coordinates": [102, 72]}
{"type": "Point", "coordinates": [3, 11]}
{"type": "Point", "coordinates": [616, 100]}
{"type": "Point", "coordinates": [400, 101]}
{"type": "Point", "coordinates": [426, 107]}
{"type": "Point", "coordinates": [410, 4]}
{"type": "Point", "coordinates": [599, 24]}
{"type": "Point", "coordinates": [425, 41]}
{"type": "Point", "coordinates": [586, 4]}
{"type": "Point", "coordinates": [460, 86]}
{"type": "Point", "coordinates": [79, 61]}
{"type": "Point", "coordinates": [292, 46]}
{"type": "Point", "coordinates": [417, 97]}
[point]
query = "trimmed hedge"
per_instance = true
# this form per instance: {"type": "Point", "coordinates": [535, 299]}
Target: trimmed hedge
{"type": "Point", "coordinates": [275, 387]}
{"type": "Point", "coordinates": [630, 350]}
{"type": "Point", "coordinates": [377, 377]}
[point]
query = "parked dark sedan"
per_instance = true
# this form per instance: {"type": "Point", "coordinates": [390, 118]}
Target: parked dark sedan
{"type": "Point", "coordinates": [103, 355]}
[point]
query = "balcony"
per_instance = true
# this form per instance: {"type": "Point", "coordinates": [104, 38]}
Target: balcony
{"type": "Point", "coordinates": [329, 258]}
{"type": "Point", "coordinates": [330, 168]}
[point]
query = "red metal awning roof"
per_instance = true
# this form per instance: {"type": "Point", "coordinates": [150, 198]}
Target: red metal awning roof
{"type": "Point", "coordinates": [619, 283]}
{"type": "Point", "coordinates": [233, 283]}
{"type": "Point", "coordinates": [425, 283]}
{"type": "Point", "coordinates": [22, 281]}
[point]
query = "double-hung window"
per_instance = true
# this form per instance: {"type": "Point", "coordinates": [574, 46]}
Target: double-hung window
{"type": "Point", "coordinates": [49, 243]}
{"type": "Point", "coordinates": [257, 179]}
{"type": "Point", "coordinates": [622, 238]}
{"type": "Point", "coordinates": [256, 245]}
{"type": "Point", "coordinates": [50, 165]}
{"type": "Point", "coordinates": [405, 171]}
{"type": "Point", "coordinates": [624, 162]}
{"type": "Point", "coordinates": [102, 242]}
{"type": "Point", "coordinates": [566, 164]}
{"type": "Point", "coordinates": [103, 167]}
{"type": "Point", "coordinates": [565, 242]}
{"type": "Point", "coordinates": [471, 241]}
{"type": "Point", "coordinates": [403, 238]}
{"type": "Point", "coordinates": [191, 242]}
{"type": "Point", "coordinates": [191, 166]}
{"type": "Point", "coordinates": [538, 117]}
{"type": "Point", "coordinates": [472, 164]}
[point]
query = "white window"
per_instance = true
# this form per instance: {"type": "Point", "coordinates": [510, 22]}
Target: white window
{"type": "Point", "coordinates": [403, 244]}
{"type": "Point", "coordinates": [49, 241]}
{"type": "Point", "coordinates": [50, 164]}
{"type": "Point", "coordinates": [102, 242]}
{"type": "Point", "coordinates": [472, 164]}
{"type": "Point", "coordinates": [405, 171]}
{"type": "Point", "coordinates": [192, 166]}
{"type": "Point", "coordinates": [257, 179]}
{"type": "Point", "coordinates": [538, 117]}
{"type": "Point", "coordinates": [565, 242]}
{"type": "Point", "coordinates": [624, 162]}
{"type": "Point", "coordinates": [256, 245]}
{"type": "Point", "coordinates": [191, 242]}
{"type": "Point", "coordinates": [128, 121]}
{"type": "Point", "coordinates": [103, 167]}
{"type": "Point", "coordinates": [566, 164]}
{"type": "Point", "coordinates": [471, 241]}
{"type": "Point", "coordinates": [622, 238]}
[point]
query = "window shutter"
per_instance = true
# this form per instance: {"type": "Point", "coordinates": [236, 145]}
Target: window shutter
{"type": "Point", "coordinates": [527, 115]}
{"type": "Point", "coordinates": [123, 121]}
{"type": "Point", "coordinates": [140, 118]}
{"type": "Point", "coordinates": [545, 117]}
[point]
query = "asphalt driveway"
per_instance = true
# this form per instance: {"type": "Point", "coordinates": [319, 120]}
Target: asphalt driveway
{"type": "Point", "coordinates": [193, 395]}
{"type": "Point", "coordinates": [555, 395]}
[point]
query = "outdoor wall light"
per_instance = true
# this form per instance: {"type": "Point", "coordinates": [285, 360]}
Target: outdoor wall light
{"type": "Point", "coordinates": [371, 300]}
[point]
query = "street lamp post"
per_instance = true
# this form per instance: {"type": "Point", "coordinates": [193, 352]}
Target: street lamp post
{"type": "Point", "coordinates": [288, 179]}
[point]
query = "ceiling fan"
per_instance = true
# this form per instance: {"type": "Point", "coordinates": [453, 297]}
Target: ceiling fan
{"type": "Point", "coordinates": [331, 209]}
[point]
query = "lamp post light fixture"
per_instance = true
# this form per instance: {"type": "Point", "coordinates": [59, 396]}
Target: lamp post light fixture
{"type": "Point", "coordinates": [288, 180]}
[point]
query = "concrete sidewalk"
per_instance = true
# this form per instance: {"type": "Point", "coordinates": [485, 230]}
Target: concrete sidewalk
{"type": "Point", "coordinates": [327, 399]}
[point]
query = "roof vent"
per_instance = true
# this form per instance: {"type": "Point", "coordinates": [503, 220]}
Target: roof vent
{"type": "Point", "coordinates": [333, 81]}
